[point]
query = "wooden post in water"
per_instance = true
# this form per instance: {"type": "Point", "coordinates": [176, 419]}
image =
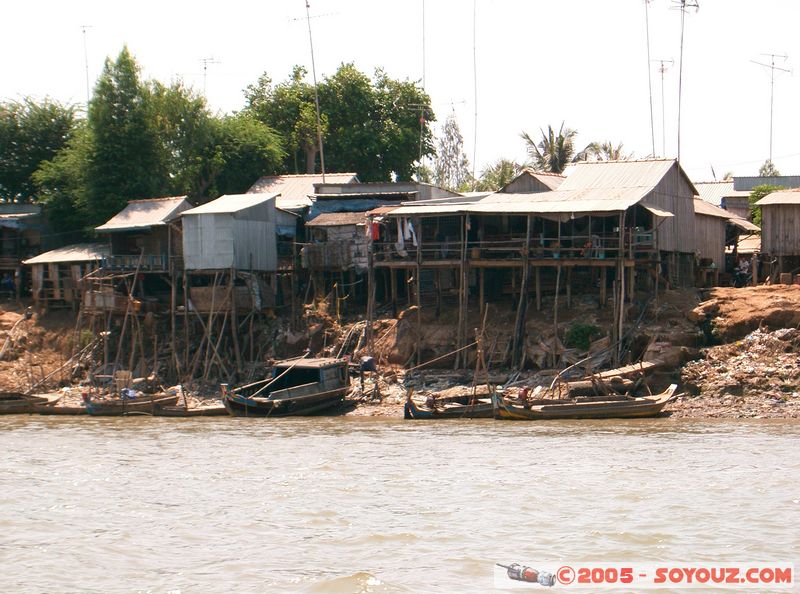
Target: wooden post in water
{"type": "Point", "coordinates": [370, 289]}
{"type": "Point", "coordinates": [234, 319]}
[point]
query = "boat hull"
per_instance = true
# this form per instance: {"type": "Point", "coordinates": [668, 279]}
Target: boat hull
{"type": "Point", "coordinates": [13, 403]}
{"type": "Point", "coordinates": [119, 408]}
{"type": "Point", "coordinates": [179, 411]}
{"type": "Point", "coordinates": [465, 411]}
{"type": "Point", "coordinates": [311, 404]}
{"type": "Point", "coordinates": [612, 409]}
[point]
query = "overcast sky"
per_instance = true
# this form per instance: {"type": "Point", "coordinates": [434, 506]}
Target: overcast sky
{"type": "Point", "coordinates": [583, 62]}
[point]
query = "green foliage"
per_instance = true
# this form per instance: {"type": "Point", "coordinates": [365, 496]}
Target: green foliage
{"type": "Point", "coordinates": [554, 151]}
{"type": "Point", "coordinates": [757, 194]}
{"type": "Point", "coordinates": [30, 133]}
{"type": "Point", "coordinates": [498, 175]}
{"type": "Point", "coordinates": [452, 167]}
{"type": "Point", "coordinates": [580, 336]}
{"type": "Point", "coordinates": [370, 126]}
{"type": "Point", "coordinates": [768, 169]}
{"type": "Point", "coordinates": [127, 161]}
{"type": "Point", "coordinates": [603, 151]}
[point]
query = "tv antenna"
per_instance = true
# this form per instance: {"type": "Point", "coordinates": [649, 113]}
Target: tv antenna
{"type": "Point", "coordinates": [206, 62]}
{"type": "Point", "coordinates": [683, 6]}
{"type": "Point", "coordinates": [86, 62]}
{"type": "Point", "coordinates": [316, 94]}
{"type": "Point", "coordinates": [475, 84]}
{"type": "Point", "coordinates": [772, 69]}
{"type": "Point", "coordinates": [649, 77]}
{"type": "Point", "coordinates": [664, 65]}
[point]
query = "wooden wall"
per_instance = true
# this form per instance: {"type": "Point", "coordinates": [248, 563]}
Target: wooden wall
{"type": "Point", "coordinates": [674, 194]}
{"type": "Point", "coordinates": [780, 229]}
{"type": "Point", "coordinates": [710, 238]}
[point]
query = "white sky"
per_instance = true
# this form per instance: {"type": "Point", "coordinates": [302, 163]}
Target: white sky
{"type": "Point", "coordinates": [538, 63]}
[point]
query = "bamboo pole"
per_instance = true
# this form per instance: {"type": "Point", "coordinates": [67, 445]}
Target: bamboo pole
{"type": "Point", "coordinates": [234, 325]}
{"type": "Point", "coordinates": [522, 305]}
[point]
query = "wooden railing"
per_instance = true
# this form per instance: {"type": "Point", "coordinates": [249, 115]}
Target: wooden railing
{"type": "Point", "coordinates": [145, 263]}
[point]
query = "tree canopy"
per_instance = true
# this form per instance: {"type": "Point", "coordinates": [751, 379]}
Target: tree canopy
{"type": "Point", "coordinates": [451, 170]}
{"type": "Point", "coordinates": [30, 133]}
{"type": "Point", "coordinates": [497, 175]}
{"type": "Point", "coordinates": [553, 151]}
{"type": "Point", "coordinates": [768, 169]}
{"type": "Point", "coordinates": [375, 127]}
{"type": "Point", "coordinates": [757, 194]}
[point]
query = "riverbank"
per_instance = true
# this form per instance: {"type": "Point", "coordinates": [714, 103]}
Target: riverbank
{"type": "Point", "coordinates": [735, 353]}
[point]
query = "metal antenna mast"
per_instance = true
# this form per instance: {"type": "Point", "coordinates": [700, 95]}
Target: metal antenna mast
{"type": "Point", "coordinates": [649, 77]}
{"type": "Point", "coordinates": [206, 62]}
{"type": "Point", "coordinates": [772, 69]}
{"type": "Point", "coordinates": [475, 83]}
{"type": "Point", "coordinates": [86, 62]}
{"type": "Point", "coordinates": [316, 95]}
{"type": "Point", "coordinates": [663, 69]}
{"type": "Point", "coordinates": [683, 6]}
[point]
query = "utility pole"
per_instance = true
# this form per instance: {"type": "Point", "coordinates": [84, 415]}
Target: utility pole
{"type": "Point", "coordinates": [772, 69]}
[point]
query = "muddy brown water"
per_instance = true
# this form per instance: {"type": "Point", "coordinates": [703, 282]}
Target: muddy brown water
{"type": "Point", "coordinates": [379, 505]}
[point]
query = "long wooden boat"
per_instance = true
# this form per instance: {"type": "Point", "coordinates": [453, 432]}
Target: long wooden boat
{"type": "Point", "coordinates": [13, 403]}
{"type": "Point", "coordinates": [117, 407]}
{"type": "Point", "coordinates": [477, 409]}
{"type": "Point", "coordinates": [48, 409]}
{"type": "Point", "coordinates": [296, 388]}
{"type": "Point", "coordinates": [585, 408]}
{"type": "Point", "coordinates": [199, 411]}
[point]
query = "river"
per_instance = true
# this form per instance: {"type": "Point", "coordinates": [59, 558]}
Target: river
{"type": "Point", "coordinates": [376, 505]}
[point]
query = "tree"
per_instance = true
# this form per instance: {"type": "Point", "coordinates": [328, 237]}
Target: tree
{"type": "Point", "coordinates": [498, 175]}
{"type": "Point", "coordinates": [370, 126]}
{"type": "Point", "coordinates": [451, 170]}
{"type": "Point", "coordinates": [30, 133]}
{"type": "Point", "coordinates": [757, 194]}
{"type": "Point", "coordinates": [603, 151]}
{"type": "Point", "coordinates": [127, 160]}
{"type": "Point", "coordinates": [554, 151]}
{"type": "Point", "coordinates": [768, 169]}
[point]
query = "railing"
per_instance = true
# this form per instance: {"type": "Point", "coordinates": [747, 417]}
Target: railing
{"type": "Point", "coordinates": [514, 248]}
{"type": "Point", "coordinates": [145, 263]}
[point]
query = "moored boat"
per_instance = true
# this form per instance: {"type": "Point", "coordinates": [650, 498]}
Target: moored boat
{"type": "Point", "coordinates": [117, 407]}
{"type": "Point", "coordinates": [297, 388]}
{"type": "Point", "coordinates": [199, 411]}
{"type": "Point", "coordinates": [620, 407]}
{"type": "Point", "coordinates": [464, 408]}
{"type": "Point", "coordinates": [12, 403]}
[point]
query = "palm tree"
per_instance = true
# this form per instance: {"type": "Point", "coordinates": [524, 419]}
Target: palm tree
{"type": "Point", "coordinates": [603, 151]}
{"type": "Point", "coordinates": [553, 152]}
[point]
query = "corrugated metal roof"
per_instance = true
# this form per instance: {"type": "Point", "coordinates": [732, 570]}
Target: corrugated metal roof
{"type": "Point", "coordinates": [702, 207]}
{"type": "Point", "coordinates": [79, 252]}
{"type": "Point", "coordinates": [551, 180]}
{"type": "Point", "coordinates": [744, 224]}
{"type": "Point", "coordinates": [618, 174]}
{"type": "Point", "coordinates": [294, 190]}
{"type": "Point", "coordinates": [714, 192]}
{"type": "Point", "coordinates": [143, 214]}
{"type": "Point", "coordinates": [749, 244]}
{"type": "Point", "coordinates": [231, 203]}
{"type": "Point", "coordinates": [338, 219]}
{"type": "Point", "coordinates": [583, 200]}
{"type": "Point", "coordinates": [781, 197]}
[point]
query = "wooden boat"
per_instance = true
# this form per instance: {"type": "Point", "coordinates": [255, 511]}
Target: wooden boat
{"type": "Point", "coordinates": [117, 407]}
{"type": "Point", "coordinates": [199, 411]}
{"type": "Point", "coordinates": [13, 403]}
{"type": "Point", "coordinates": [602, 407]}
{"type": "Point", "coordinates": [297, 388]}
{"type": "Point", "coordinates": [48, 409]}
{"type": "Point", "coordinates": [459, 408]}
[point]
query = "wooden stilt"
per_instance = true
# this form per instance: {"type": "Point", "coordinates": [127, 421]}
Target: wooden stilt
{"type": "Point", "coordinates": [569, 287]}
{"type": "Point", "coordinates": [481, 289]}
{"type": "Point", "coordinates": [537, 271]}
{"type": "Point", "coordinates": [603, 283]}
{"type": "Point", "coordinates": [522, 305]}
{"type": "Point", "coordinates": [554, 353]}
{"type": "Point", "coordinates": [234, 323]}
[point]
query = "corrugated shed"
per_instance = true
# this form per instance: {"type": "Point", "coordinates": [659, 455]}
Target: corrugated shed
{"type": "Point", "coordinates": [143, 214]}
{"type": "Point", "coordinates": [530, 181]}
{"type": "Point", "coordinates": [79, 252]}
{"type": "Point", "coordinates": [237, 230]}
{"type": "Point", "coordinates": [295, 190]}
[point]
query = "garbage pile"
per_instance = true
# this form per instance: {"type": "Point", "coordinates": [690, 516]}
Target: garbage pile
{"type": "Point", "coordinates": [757, 376]}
